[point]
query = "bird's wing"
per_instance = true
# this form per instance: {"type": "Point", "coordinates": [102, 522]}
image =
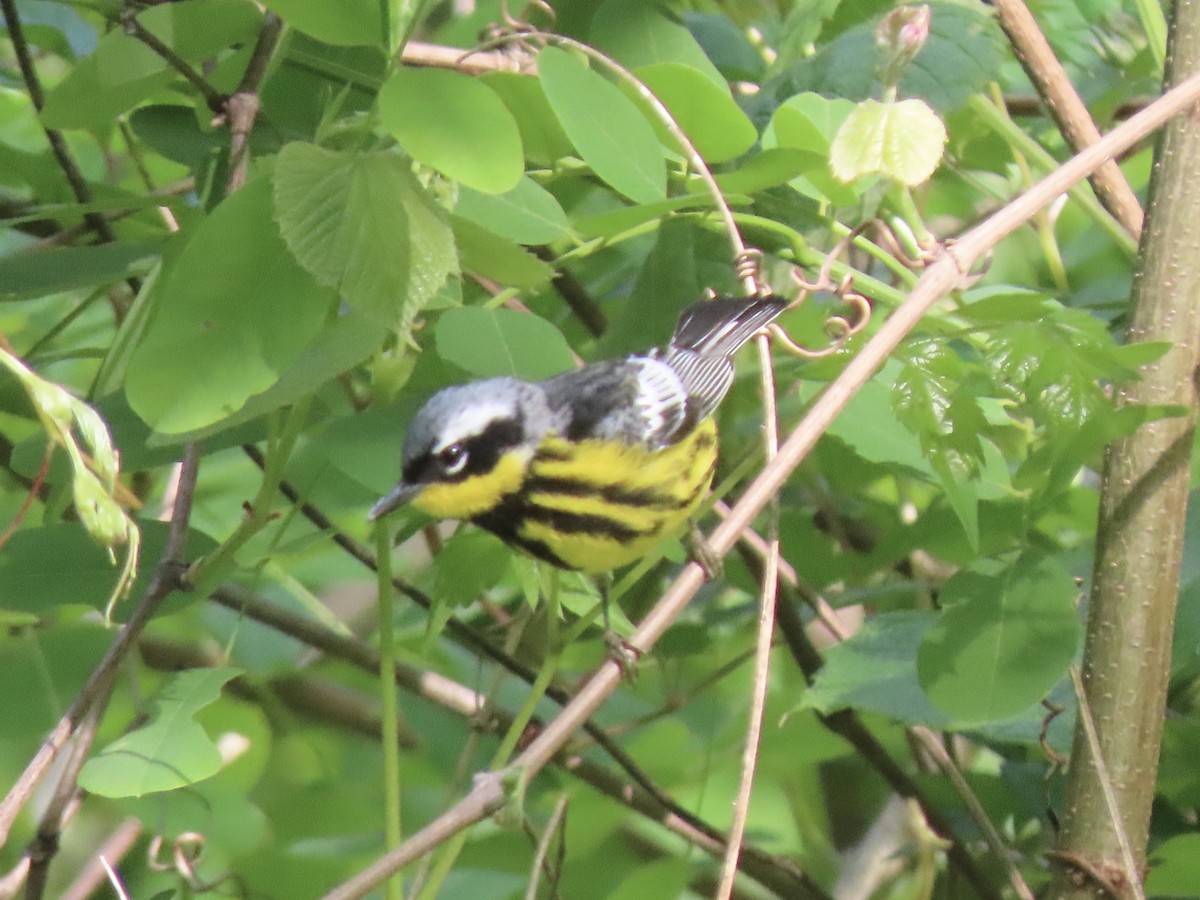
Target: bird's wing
{"type": "Point", "coordinates": [640, 401]}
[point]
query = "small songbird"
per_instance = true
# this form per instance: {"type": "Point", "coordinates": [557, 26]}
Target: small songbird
{"type": "Point", "coordinates": [591, 469]}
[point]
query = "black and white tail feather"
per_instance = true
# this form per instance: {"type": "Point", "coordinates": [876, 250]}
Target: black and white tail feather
{"type": "Point", "coordinates": [706, 337]}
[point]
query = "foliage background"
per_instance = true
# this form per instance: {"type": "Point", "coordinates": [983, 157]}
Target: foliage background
{"type": "Point", "coordinates": [400, 228]}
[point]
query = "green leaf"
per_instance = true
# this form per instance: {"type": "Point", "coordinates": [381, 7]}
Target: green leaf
{"type": "Point", "coordinates": [875, 670]}
{"type": "Point", "coordinates": [470, 564]}
{"type": "Point", "coordinates": [43, 568]}
{"type": "Point", "coordinates": [35, 273]}
{"type": "Point", "coordinates": [809, 121]}
{"type": "Point", "coordinates": [306, 81]}
{"type": "Point", "coordinates": [1002, 642]}
{"type": "Point", "coordinates": [226, 817]}
{"type": "Point", "coordinates": [455, 124]}
{"type": "Point", "coordinates": [903, 140]}
{"type": "Point", "coordinates": [528, 214]}
{"type": "Point", "coordinates": [636, 33]}
{"type": "Point", "coordinates": [607, 129]}
{"type": "Point", "coordinates": [232, 314]}
{"type": "Point", "coordinates": [491, 342]}
{"type": "Point", "coordinates": [340, 22]}
{"type": "Point", "coordinates": [961, 56]}
{"type": "Point", "coordinates": [769, 168]}
{"type": "Point", "coordinates": [991, 305]}
{"type": "Point", "coordinates": [1175, 868]}
{"type": "Point", "coordinates": [705, 111]}
{"type": "Point", "coordinates": [361, 223]}
{"type": "Point", "coordinates": [870, 427]}
{"type": "Point", "coordinates": [339, 346]}
{"type": "Point", "coordinates": [123, 71]}
{"type": "Point", "coordinates": [42, 668]}
{"type": "Point", "coordinates": [498, 258]}
{"type": "Point", "coordinates": [542, 137]}
{"type": "Point", "coordinates": [175, 131]}
{"type": "Point", "coordinates": [170, 751]}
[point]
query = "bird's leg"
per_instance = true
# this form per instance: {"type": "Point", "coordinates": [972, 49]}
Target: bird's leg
{"type": "Point", "coordinates": [702, 553]}
{"type": "Point", "coordinates": [616, 648]}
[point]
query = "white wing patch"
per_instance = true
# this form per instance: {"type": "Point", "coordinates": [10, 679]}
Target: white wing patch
{"type": "Point", "coordinates": [661, 400]}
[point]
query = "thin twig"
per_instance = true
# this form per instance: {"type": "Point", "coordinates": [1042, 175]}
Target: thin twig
{"type": "Point", "coordinates": [930, 744]}
{"type": "Point", "coordinates": [135, 29]}
{"type": "Point", "coordinates": [1067, 109]}
{"type": "Point", "coordinates": [554, 825]}
{"type": "Point", "coordinates": [242, 106]}
{"type": "Point", "coordinates": [93, 874]}
{"type": "Point", "coordinates": [58, 144]}
{"type": "Point", "coordinates": [765, 637]}
{"type": "Point", "coordinates": [63, 803]}
{"type": "Point", "coordinates": [165, 579]}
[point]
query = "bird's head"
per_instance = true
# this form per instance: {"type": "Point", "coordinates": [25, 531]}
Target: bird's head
{"type": "Point", "coordinates": [467, 448]}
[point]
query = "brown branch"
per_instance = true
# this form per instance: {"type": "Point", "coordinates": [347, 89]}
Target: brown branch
{"type": "Point", "coordinates": [58, 145]}
{"type": "Point", "coordinates": [92, 876]}
{"type": "Point", "coordinates": [1067, 109]}
{"type": "Point", "coordinates": [778, 874]}
{"type": "Point", "coordinates": [434, 55]}
{"type": "Point", "coordinates": [165, 579]}
{"type": "Point", "coordinates": [63, 803]}
{"type": "Point", "coordinates": [242, 106]}
{"type": "Point", "coordinates": [574, 294]}
{"type": "Point", "coordinates": [135, 29]}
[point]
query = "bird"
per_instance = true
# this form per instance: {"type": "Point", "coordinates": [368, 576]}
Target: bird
{"type": "Point", "coordinates": [592, 469]}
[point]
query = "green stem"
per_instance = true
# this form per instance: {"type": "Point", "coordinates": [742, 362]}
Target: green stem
{"type": "Point", "coordinates": [209, 571]}
{"type": "Point", "coordinates": [1154, 23]}
{"type": "Point", "coordinates": [388, 718]}
{"type": "Point", "coordinates": [504, 752]}
{"type": "Point", "coordinates": [999, 122]}
{"type": "Point", "coordinates": [907, 208]}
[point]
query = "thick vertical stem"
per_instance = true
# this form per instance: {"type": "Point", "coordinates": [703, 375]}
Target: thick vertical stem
{"type": "Point", "coordinates": [1139, 543]}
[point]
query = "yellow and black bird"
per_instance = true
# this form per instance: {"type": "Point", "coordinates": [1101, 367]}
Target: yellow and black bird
{"type": "Point", "coordinates": [591, 469]}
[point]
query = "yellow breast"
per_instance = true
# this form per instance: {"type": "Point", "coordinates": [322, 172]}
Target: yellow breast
{"type": "Point", "coordinates": [600, 505]}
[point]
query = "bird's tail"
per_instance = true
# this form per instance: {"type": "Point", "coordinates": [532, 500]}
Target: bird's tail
{"type": "Point", "coordinates": [718, 327]}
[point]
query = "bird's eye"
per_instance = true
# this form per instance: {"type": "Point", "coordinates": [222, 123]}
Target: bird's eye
{"type": "Point", "coordinates": [453, 457]}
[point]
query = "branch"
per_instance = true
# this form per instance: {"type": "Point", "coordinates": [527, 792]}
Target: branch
{"type": "Point", "coordinates": [58, 145]}
{"type": "Point", "coordinates": [1067, 109]}
{"type": "Point", "coordinates": [166, 578]}
{"type": "Point", "coordinates": [778, 874]}
{"type": "Point", "coordinates": [135, 29]}
{"type": "Point", "coordinates": [63, 804]}
{"type": "Point", "coordinates": [1140, 535]}
{"type": "Point", "coordinates": [242, 106]}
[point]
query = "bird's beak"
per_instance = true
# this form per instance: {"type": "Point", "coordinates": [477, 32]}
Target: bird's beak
{"type": "Point", "coordinates": [394, 499]}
